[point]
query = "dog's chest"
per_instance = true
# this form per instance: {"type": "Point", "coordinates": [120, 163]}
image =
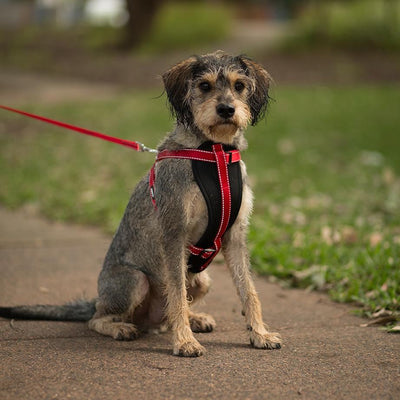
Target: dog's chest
{"type": "Point", "coordinates": [197, 214]}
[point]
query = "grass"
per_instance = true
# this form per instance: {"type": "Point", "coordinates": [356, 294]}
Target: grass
{"type": "Point", "coordinates": [325, 168]}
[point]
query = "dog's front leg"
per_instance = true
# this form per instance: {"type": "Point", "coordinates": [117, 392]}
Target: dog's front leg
{"type": "Point", "coordinates": [184, 343]}
{"type": "Point", "coordinates": [173, 239]}
{"type": "Point", "coordinates": [237, 258]}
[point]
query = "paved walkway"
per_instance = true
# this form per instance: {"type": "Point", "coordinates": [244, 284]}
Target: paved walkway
{"type": "Point", "coordinates": [326, 354]}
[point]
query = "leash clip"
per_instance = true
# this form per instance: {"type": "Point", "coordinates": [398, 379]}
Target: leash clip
{"type": "Point", "coordinates": [143, 148]}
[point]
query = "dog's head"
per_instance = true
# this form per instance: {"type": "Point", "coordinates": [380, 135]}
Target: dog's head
{"type": "Point", "coordinates": [217, 93]}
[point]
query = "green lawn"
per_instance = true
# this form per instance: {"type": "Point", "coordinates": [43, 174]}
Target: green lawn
{"type": "Point", "coordinates": [325, 168]}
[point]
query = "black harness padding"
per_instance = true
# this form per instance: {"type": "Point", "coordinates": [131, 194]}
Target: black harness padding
{"type": "Point", "coordinates": [206, 176]}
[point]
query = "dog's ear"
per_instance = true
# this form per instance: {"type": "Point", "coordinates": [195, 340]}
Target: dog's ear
{"type": "Point", "coordinates": [176, 82]}
{"type": "Point", "coordinates": [258, 100]}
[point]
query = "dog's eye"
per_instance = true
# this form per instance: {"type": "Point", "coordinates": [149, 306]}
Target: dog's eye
{"type": "Point", "coordinates": [239, 86]}
{"type": "Point", "coordinates": [205, 86]}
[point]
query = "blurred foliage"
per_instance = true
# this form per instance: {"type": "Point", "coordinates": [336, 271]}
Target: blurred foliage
{"type": "Point", "coordinates": [187, 25]}
{"type": "Point", "coordinates": [357, 24]}
{"type": "Point", "coordinates": [99, 37]}
{"type": "Point", "coordinates": [177, 26]}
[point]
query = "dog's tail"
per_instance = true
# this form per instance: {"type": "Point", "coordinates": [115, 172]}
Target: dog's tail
{"type": "Point", "coordinates": [80, 310]}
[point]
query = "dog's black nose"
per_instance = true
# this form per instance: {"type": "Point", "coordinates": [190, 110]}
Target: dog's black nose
{"type": "Point", "coordinates": [225, 110]}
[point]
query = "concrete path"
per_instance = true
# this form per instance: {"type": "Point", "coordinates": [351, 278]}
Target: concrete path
{"type": "Point", "coordinates": [326, 354]}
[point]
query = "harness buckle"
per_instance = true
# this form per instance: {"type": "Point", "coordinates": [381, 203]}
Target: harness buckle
{"type": "Point", "coordinates": [205, 251]}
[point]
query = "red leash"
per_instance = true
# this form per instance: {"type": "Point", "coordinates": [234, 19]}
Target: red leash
{"type": "Point", "coordinates": [128, 143]}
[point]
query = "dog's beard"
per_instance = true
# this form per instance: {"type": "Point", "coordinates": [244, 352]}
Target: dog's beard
{"type": "Point", "coordinates": [223, 132]}
{"type": "Point", "coordinates": [218, 129]}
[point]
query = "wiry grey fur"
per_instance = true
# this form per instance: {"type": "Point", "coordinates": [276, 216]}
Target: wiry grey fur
{"type": "Point", "coordinates": [144, 283]}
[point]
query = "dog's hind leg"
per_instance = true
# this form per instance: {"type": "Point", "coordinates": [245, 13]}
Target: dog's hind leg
{"type": "Point", "coordinates": [112, 325]}
{"type": "Point", "coordinates": [122, 289]}
{"type": "Point", "coordinates": [198, 287]}
{"type": "Point", "coordinates": [201, 322]}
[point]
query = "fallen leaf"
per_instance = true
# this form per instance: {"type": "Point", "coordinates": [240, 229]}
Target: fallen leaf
{"type": "Point", "coordinates": [287, 217]}
{"type": "Point", "coordinates": [300, 218]}
{"type": "Point", "coordinates": [326, 233]}
{"type": "Point", "coordinates": [274, 210]}
{"type": "Point", "coordinates": [371, 158]}
{"type": "Point", "coordinates": [388, 176]}
{"type": "Point", "coordinates": [372, 294]}
{"type": "Point", "coordinates": [330, 236]}
{"type": "Point", "coordinates": [380, 321]}
{"type": "Point", "coordinates": [318, 201]}
{"type": "Point", "coordinates": [286, 146]}
{"type": "Point", "coordinates": [395, 329]}
{"type": "Point", "coordinates": [349, 235]}
{"type": "Point", "coordinates": [384, 287]}
{"type": "Point", "coordinates": [316, 274]}
{"type": "Point", "coordinates": [382, 313]}
{"type": "Point", "coordinates": [298, 240]}
{"type": "Point", "coordinates": [296, 202]}
{"type": "Point", "coordinates": [375, 238]}
{"type": "Point", "coordinates": [88, 196]}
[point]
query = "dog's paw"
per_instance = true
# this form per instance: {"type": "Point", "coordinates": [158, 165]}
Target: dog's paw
{"type": "Point", "coordinates": [111, 325]}
{"type": "Point", "coordinates": [124, 331]}
{"type": "Point", "coordinates": [268, 340]}
{"type": "Point", "coordinates": [202, 323]}
{"type": "Point", "coordinates": [189, 349]}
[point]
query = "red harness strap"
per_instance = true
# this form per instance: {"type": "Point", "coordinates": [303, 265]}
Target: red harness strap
{"type": "Point", "coordinates": [201, 155]}
{"type": "Point", "coordinates": [222, 159]}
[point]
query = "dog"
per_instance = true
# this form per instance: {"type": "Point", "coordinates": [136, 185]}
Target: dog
{"type": "Point", "coordinates": [145, 282]}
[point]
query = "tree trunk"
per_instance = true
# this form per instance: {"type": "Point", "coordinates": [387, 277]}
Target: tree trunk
{"type": "Point", "coordinates": [141, 18]}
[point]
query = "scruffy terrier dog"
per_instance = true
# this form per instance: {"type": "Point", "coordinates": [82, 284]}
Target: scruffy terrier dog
{"type": "Point", "coordinates": [145, 282]}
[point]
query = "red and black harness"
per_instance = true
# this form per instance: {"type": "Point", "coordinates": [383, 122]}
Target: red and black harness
{"type": "Point", "coordinates": [217, 172]}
